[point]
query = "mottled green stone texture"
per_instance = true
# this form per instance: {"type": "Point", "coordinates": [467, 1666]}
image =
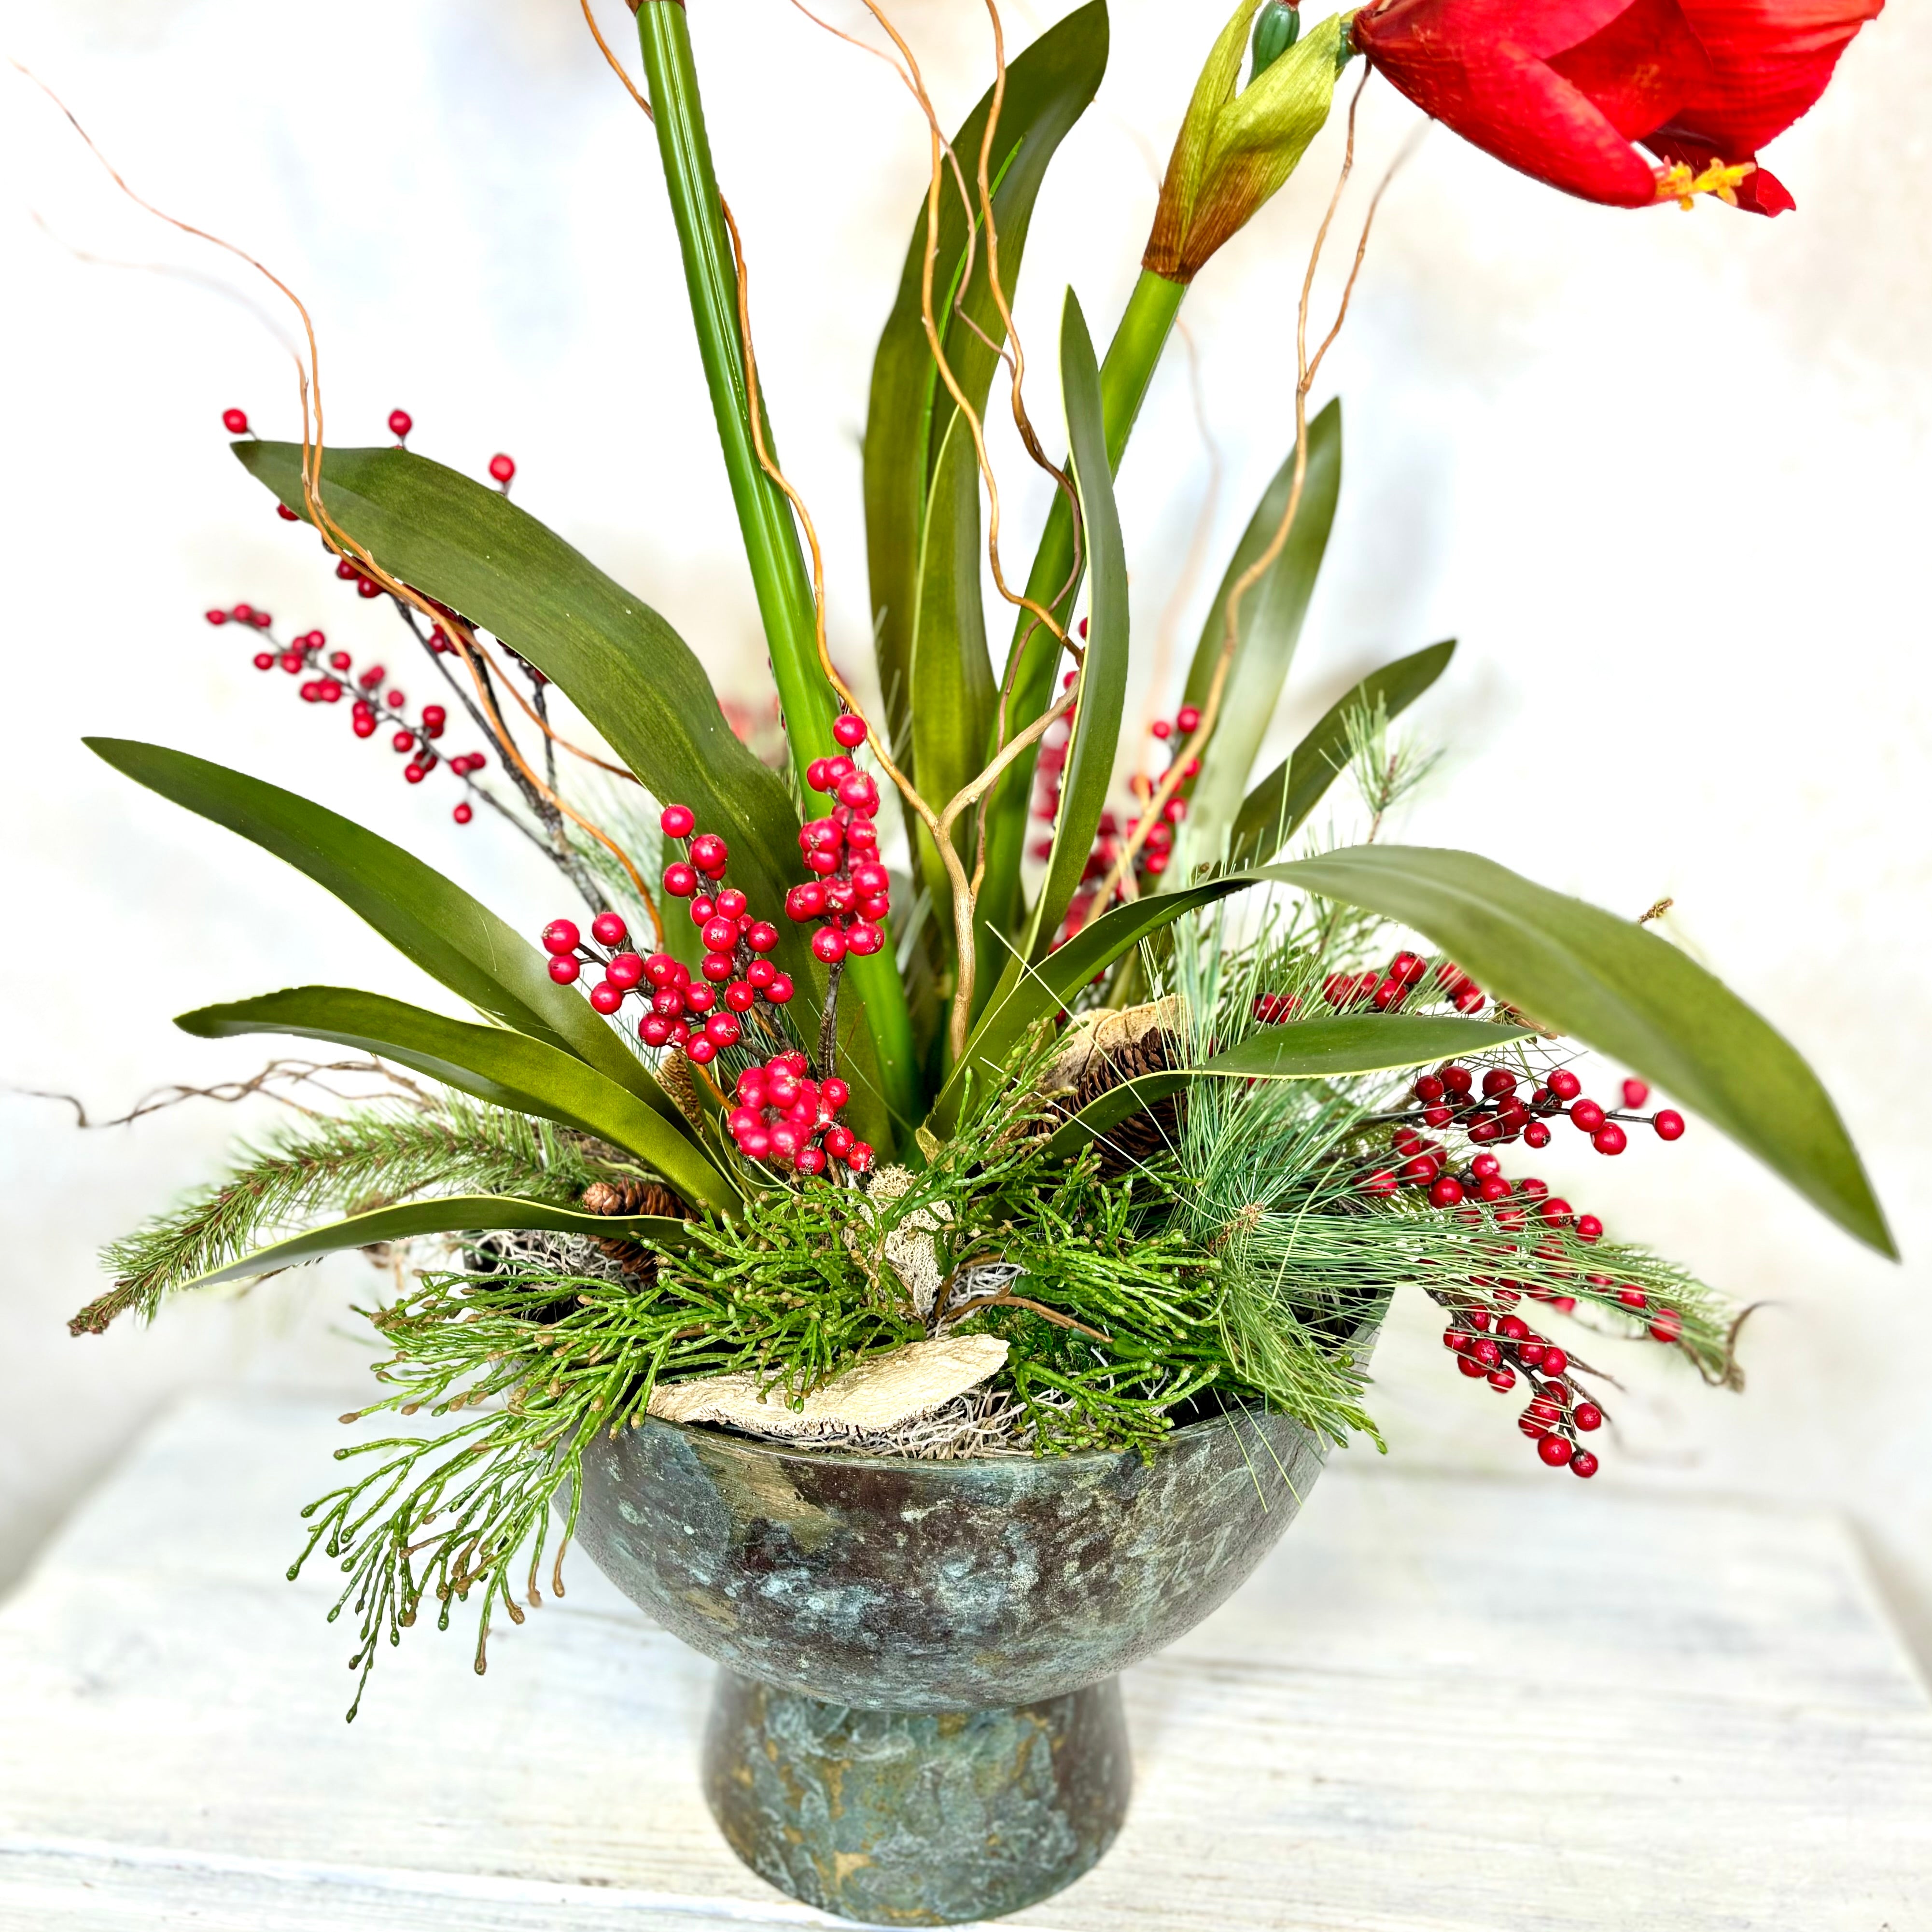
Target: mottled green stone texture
{"type": "Point", "coordinates": [905, 1818]}
{"type": "Point", "coordinates": [933, 1626]}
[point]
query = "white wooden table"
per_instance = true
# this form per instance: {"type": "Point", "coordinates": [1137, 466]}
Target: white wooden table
{"type": "Point", "coordinates": [1441, 1706]}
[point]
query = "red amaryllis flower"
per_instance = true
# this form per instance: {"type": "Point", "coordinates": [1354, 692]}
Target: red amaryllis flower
{"type": "Point", "coordinates": [1561, 89]}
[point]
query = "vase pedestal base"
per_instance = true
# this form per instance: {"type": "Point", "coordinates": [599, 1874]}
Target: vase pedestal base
{"type": "Point", "coordinates": [911, 1818]}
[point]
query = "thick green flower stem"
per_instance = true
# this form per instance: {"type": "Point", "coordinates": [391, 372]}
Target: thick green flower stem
{"type": "Point", "coordinates": [772, 546]}
{"type": "Point", "coordinates": [1132, 356]}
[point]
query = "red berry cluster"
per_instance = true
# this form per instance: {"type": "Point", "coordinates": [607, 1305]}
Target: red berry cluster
{"type": "Point", "coordinates": [850, 892]}
{"type": "Point", "coordinates": [333, 677]}
{"type": "Point", "coordinates": [1449, 1098]}
{"type": "Point", "coordinates": [736, 944]}
{"type": "Point", "coordinates": [1487, 1334]}
{"type": "Point", "coordinates": [1158, 847]}
{"type": "Point", "coordinates": [1156, 850]}
{"type": "Point", "coordinates": [784, 1117]}
{"type": "Point", "coordinates": [1497, 1345]}
{"type": "Point", "coordinates": [703, 1014]}
{"type": "Point", "coordinates": [1512, 1205]}
{"type": "Point", "coordinates": [1403, 983]}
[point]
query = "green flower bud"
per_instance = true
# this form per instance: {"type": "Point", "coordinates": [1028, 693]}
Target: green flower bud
{"type": "Point", "coordinates": [1277, 28]}
{"type": "Point", "coordinates": [1235, 148]}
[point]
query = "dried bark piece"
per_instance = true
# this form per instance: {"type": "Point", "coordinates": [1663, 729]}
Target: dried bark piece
{"type": "Point", "coordinates": [881, 1393]}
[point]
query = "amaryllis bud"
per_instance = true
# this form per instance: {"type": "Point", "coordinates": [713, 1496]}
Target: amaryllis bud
{"type": "Point", "coordinates": [1277, 28]}
{"type": "Point", "coordinates": [1237, 146]}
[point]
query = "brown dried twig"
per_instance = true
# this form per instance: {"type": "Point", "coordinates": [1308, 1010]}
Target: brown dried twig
{"type": "Point", "coordinates": [293, 1072]}
{"type": "Point", "coordinates": [1307, 367]}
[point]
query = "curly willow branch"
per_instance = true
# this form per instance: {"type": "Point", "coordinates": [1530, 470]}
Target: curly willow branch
{"type": "Point", "coordinates": [617, 66]}
{"type": "Point", "coordinates": [965, 889]}
{"type": "Point", "coordinates": [1307, 367]}
{"type": "Point", "coordinates": [309, 381]}
{"type": "Point", "coordinates": [942, 152]}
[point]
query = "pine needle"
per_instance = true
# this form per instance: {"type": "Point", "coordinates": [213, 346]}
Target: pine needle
{"type": "Point", "coordinates": [347, 1163]}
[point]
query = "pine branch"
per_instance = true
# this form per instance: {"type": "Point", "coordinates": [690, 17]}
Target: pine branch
{"type": "Point", "coordinates": [344, 1163]}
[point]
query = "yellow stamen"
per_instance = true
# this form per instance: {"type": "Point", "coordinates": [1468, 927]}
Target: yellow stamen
{"type": "Point", "coordinates": [1682, 185]}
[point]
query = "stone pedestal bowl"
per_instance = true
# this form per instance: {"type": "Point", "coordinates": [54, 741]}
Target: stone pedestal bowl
{"type": "Point", "coordinates": [919, 1718]}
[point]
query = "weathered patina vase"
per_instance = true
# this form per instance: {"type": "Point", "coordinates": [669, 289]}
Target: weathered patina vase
{"type": "Point", "coordinates": [919, 1720]}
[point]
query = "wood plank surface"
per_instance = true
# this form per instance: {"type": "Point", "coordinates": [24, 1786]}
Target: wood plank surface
{"type": "Point", "coordinates": [1440, 1705]}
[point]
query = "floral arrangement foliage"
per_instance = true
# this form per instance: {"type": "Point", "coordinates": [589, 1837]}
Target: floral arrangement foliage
{"type": "Point", "coordinates": [1168, 1093]}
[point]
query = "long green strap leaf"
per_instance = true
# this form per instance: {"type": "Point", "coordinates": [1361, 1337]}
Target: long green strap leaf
{"type": "Point", "coordinates": [771, 545]}
{"type": "Point", "coordinates": [1347, 1044]}
{"type": "Point", "coordinates": [507, 1069]}
{"type": "Point", "coordinates": [1316, 1049]}
{"type": "Point", "coordinates": [456, 1214]}
{"type": "Point", "coordinates": [1571, 966]}
{"type": "Point", "coordinates": [952, 690]}
{"type": "Point", "coordinates": [1089, 771]}
{"type": "Point", "coordinates": [1272, 814]}
{"type": "Point", "coordinates": [616, 660]}
{"type": "Point", "coordinates": [765, 518]}
{"type": "Point", "coordinates": [1027, 994]}
{"type": "Point", "coordinates": [1047, 88]}
{"type": "Point", "coordinates": [1625, 991]}
{"type": "Point", "coordinates": [428, 918]}
{"type": "Point", "coordinates": [1268, 628]}
{"type": "Point", "coordinates": [1054, 582]}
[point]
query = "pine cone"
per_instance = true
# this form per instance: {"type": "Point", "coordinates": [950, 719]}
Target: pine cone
{"type": "Point", "coordinates": [629, 1196]}
{"type": "Point", "coordinates": [633, 1197]}
{"type": "Point", "coordinates": [1153, 1130]}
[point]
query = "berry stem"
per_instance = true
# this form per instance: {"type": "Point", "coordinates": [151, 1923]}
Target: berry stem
{"type": "Point", "coordinates": [557, 848]}
{"type": "Point", "coordinates": [828, 1025]}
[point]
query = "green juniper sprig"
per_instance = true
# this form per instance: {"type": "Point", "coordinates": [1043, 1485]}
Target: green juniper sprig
{"type": "Point", "coordinates": [774, 1293]}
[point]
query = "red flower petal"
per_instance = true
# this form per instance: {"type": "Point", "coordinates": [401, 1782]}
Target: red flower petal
{"type": "Point", "coordinates": [1770, 61]}
{"type": "Point", "coordinates": [1480, 68]}
{"type": "Point", "coordinates": [1640, 69]}
{"type": "Point", "coordinates": [1560, 88]}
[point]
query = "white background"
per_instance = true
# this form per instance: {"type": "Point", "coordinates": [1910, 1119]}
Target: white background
{"type": "Point", "coordinates": [1665, 475]}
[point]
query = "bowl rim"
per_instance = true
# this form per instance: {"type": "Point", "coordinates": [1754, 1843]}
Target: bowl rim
{"type": "Point", "coordinates": [1095, 1458]}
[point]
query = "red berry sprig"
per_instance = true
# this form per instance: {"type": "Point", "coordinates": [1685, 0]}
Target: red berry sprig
{"type": "Point", "coordinates": [1156, 850]}
{"type": "Point", "coordinates": [1403, 985]}
{"type": "Point", "coordinates": [1492, 1341]}
{"type": "Point", "coordinates": [850, 893]}
{"type": "Point", "coordinates": [372, 704]}
{"type": "Point", "coordinates": [1488, 1337]}
{"type": "Point", "coordinates": [786, 1119]}
{"type": "Point", "coordinates": [1499, 1113]}
{"type": "Point", "coordinates": [703, 1014]}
